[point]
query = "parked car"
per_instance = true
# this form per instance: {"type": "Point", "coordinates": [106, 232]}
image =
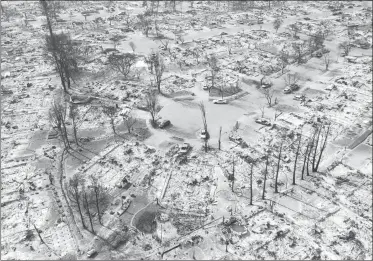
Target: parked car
{"type": "Point", "coordinates": [263, 121]}
{"type": "Point", "coordinates": [294, 87]}
{"type": "Point", "coordinates": [365, 45]}
{"type": "Point", "coordinates": [238, 140]}
{"type": "Point", "coordinates": [287, 90]}
{"type": "Point", "coordinates": [220, 101]}
{"type": "Point", "coordinates": [203, 134]}
{"type": "Point", "coordinates": [318, 54]}
{"type": "Point", "coordinates": [142, 106]}
{"type": "Point", "coordinates": [299, 97]}
{"type": "Point", "coordinates": [184, 148]}
{"type": "Point", "coordinates": [163, 123]}
{"type": "Point", "coordinates": [125, 205]}
{"type": "Point", "coordinates": [205, 87]}
{"type": "Point", "coordinates": [91, 253]}
{"type": "Point", "coordinates": [235, 139]}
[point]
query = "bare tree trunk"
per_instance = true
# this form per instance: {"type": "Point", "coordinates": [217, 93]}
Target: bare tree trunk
{"type": "Point", "coordinates": [316, 145]}
{"type": "Point", "coordinates": [44, 4]}
{"type": "Point", "coordinates": [296, 158]}
{"type": "Point", "coordinates": [204, 121]}
{"type": "Point", "coordinates": [322, 148]}
{"type": "Point", "coordinates": [308, 158]}
{"type": "Point", "coordinates": [37, 231]}
{"type": "Point", "coordinates": [112, 125]}
{"type": "Point", "coordinates": [251, 183]}
{"type": "Point", "coordinates": [98, 208]}
{"type": "Point", "coordinates": [278, 168]}
{"type": "Point", "coordinates": [74, 194]}
{"type": "Point", "coordinates": [265, 178]}
{"type": "Point", "coordinates": [75, 131]}
{"type": "Point", "coordinates": [219, 137]}
{"type": "Point", "coordinates": [65, 133]}
{"type": "Point", "coordinates": [86, 205]}
{"type": "Point", "coordinates": [233, 165]}
{"type": "Point", "coordinates": [304, 161]}
{"type": "Point", "coordinates": [77, 199]}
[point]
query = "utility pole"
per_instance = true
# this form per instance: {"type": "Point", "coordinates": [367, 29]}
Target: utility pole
{"type": "Point", "coordinates": [161, 234]}
{"type": "Point", "coordinates": [219, 137]}
{"type": "Point", "coordinates": [232, 177]}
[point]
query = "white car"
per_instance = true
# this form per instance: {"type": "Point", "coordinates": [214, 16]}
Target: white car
{"type": "Point", "coordinates": [163, 123]}
{"type": "Point", "coordinates": [220, 101]}
{"type": "Point", "coordinates": [287, 90]}
{"type": "Point", "coordinates": [91, 253]}
{"type": "Point", "coordinates": [184, 148]}
{"type": "Point", "coordinates": [203, 134]}
{"type": "Point", "coordinates": [299, 97]}
{"type": "Point", "coordinates": [237, 140]}
{"type": "Point", "coordinates": [263, 121]}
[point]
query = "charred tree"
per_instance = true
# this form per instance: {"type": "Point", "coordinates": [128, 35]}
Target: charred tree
{"type": "Point", "coordinates": [111, 112]}
{"type": "Point", "coordinates": [316, 144]}
{"type": "Point", "coordinates": [265, 176]}
{"type": "Point", "coordinates": [214, 68]}
{"type": "Point", "coordinates": [86, 205]}
{"type": "Point", "coordinates": [323, 147]}
{"type": "Point", "coordinates": [157, 67]}
{"type": "Point", "coordinates": [305, 160]}
{"type": "Point", "coordinates": [57, 118]}
{"type": "Point", "coordinates": [219, 141]}
{"type": "Point", "coordinates": [311, 145]}
{"type": "Point", "coordinates": [278, 166]}
{"type": "Point", "coordinates": [232, 174]}
{"type": "Point", "coordinates": [152, 105]}
{"type": "Point", "coordinates": [296, 157]}
{"type": "Point", "coordinates": [63, 52]}
{"type": "Point", "coordinates": [204, 121]}
{"type": "Point", "coordinates": [129, 121]}
{"type": "Point", "coordinates": [122, 63]}
{"type": "Point", "coordinates": [99, 195]}
{"type": "Point", "coordinates": [74, 193]}
{"type": "Point", "coordinates": [251, 183]}
{"type": "Point", "coordinates": [73, 116]}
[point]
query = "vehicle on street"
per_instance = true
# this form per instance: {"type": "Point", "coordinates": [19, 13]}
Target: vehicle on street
{"type": "Point", "coordinates": [220, 101]}
{"type": "Point", "coordinates": [287, 90]}
{"type": "Point", "coordinates": [299, 97]}
{"type": "Point", "coordinates": [263, 121]}
{"type": "Point", "coordinates": [91, 253]}
{"type": "Point", "coordinates": [184, 148]}
{"type": "Point", "coordinates": [238, 140]}
{"type": "Point", "coordinates": [163, 123]}
{"type": "Point", "coordinates": [235, 139]}
{"type": "Point", "coordinates": [203, 134]}
{"type": "Point", "coordinates": [294, 87]}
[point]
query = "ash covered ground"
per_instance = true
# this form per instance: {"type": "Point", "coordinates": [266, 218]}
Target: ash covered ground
{"type": "Point", "coordinates": [186, 130]}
